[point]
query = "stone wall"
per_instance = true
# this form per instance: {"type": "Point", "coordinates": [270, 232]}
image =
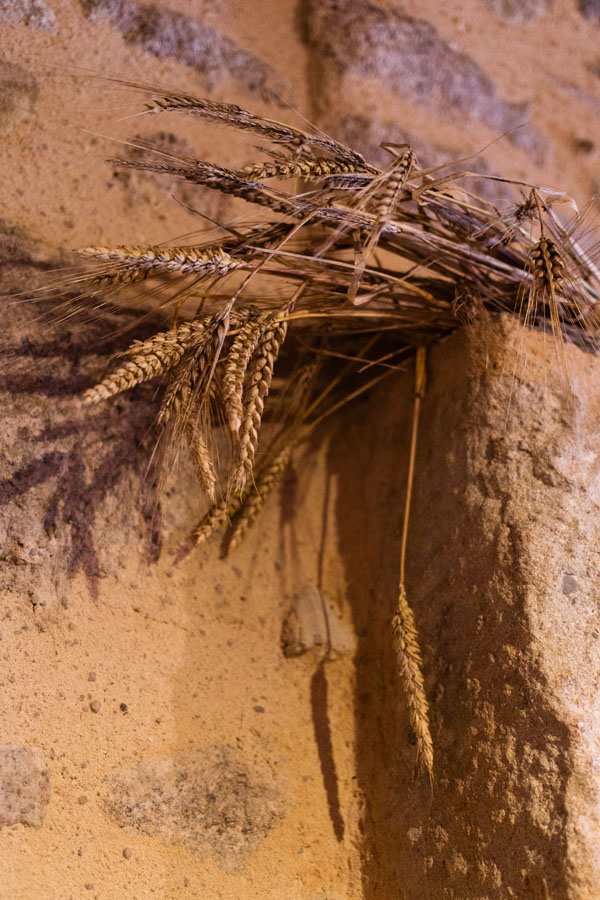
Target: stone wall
{"type": "Point", "coordinates": [156, 740]}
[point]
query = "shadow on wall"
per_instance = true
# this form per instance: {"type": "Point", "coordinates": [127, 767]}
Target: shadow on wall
{"type": "Point", "coordinates": [66, 465]}
{"type": "Point", "coordinates": [494, 823]}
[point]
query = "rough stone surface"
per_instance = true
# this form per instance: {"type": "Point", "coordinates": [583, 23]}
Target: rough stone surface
{"type": "Point", "coordinates": [209, 800]}
{"type": "Point", "coordinates": [590, 9]}
{"type": "Point", "coordinates": [76, 483]}
{"type": "Point", "coordinates": [34, 13]}
{"type": "Point", "coordinates": [312, 623]}
{"type": "Point", "coordinates": [502, 545]}
{"type": "Point", "coordinates": [503, 565]}
{"type": "Point", "coordinates": [24, 786]}
{"type": "Point", "coordinates": [18, 94]}
{"type": "Point", "coordinates": [409, 58]}
{"type": "Point", "coordinates": [518, 12]}
{"type": "Point", "coordinates": [165, 33]}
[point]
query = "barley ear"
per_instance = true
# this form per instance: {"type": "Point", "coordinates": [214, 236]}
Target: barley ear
{"type": "Point", "coordinates": [406, 645]}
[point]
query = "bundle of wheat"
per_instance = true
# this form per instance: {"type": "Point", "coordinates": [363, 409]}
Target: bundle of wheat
{"type": "Point", "coordinates": [362, 267]}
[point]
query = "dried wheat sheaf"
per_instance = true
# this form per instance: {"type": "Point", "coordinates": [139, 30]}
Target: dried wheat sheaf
{"type": "Point", "coordinates": [355, 271]}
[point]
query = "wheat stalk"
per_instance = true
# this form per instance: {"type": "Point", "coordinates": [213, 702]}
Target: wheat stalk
{"type": "Point", "coordinates": [260, 374]}
{"type": "Point", "coordinates": [404, 629]}
{"type": "Point", "coordinates": [297, 168]}
{"type": "Point", "coordinates": [239, 357]}
{"type": "Point", "coordinates": [253, 500]}
{"type": "Point", "coordinates": [154, 356]}
{"type": "Point", "coordinates": [131, 263]}
{"type": "Point", "coordinates": [410, 664]}
{"type": "Point", "coordinates": [447, 254]}
{"type": "Point", "coordinates": [202, 460]}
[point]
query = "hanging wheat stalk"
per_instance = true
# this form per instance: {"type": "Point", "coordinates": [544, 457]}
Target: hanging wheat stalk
{"type": "Point", "coordinates": [363, 265]}
{"type": "Point", "coordinates": [406, 640]}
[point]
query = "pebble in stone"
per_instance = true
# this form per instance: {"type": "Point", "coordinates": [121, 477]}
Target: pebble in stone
{"type": "Point", "coordinates": [584, 145]}
{"type": "Point", "coordinates": [96, 705]}
{"type": "Point", "coordinates": [569, 584]}
{"type": "Point", "coordinates": [127, 852]}
{"type": "Point", "coordinates": [24, 785]}
{"type": "Point", "coordinates": [211, 800]}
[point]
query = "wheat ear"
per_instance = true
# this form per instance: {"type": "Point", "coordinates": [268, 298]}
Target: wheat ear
{"type": "Point", "coordinates": [211, 522]}
{"type": "Point", "coordinates": [238, 360]}
{"type": "Point", "coordinates": [215, 518]}
{"type": "Point", "coordinates": [404, 629]}
{"type": "Point", "coordinates": [254, 498]}
{"type": "Point", "coordinates": [237, 117]}
{"type": "Point", "coordinates": [193, 367]}
{"type": "Point", "coordinates": [406, 645]}
{"type": "Point", "coordinates": [131, 263]}
{"type": "Point", "coordinates": [260, 377]}
{"type": "Point", "coordinates": [202, 460]}
{"type": "Point", "coordinates": [297, 168]}
{"type": "Point", "coordinates": [155, 356]}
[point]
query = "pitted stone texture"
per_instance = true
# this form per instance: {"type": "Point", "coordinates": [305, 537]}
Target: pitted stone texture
{"type": "Point", "coordinates": [408, 57]}
{"type": "Point", "coordinates": [503, 564]}
{"type": "Point", "coordinates": [210, 800]}
{"type": "Point", "coordinates": [168, 34]}
{"type": "Point", "coordinates": [61, 497]}
{"type": "Point", "coordinates": [18, 94]}
{"type": "Point", "coordinates": [590, 9]}
{"type": "Point", "coordinates": [24, 786]}
{"type": "Point", "coordinates": [33, 13]}
{"type": "Point", "coordinates": [518, 12]}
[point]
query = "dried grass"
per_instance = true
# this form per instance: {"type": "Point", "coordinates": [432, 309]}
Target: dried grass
{"type": "Point", "coordinates": [312, 271]}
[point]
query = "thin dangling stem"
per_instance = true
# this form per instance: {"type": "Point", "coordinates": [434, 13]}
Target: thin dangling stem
{"type": "Point", "coordinates": [405, 636]}
{"type": "Point", "coordinates": [419, 394]}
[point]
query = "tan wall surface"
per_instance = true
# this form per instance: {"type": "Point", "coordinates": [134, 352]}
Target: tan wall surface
{"type": "Point", "coordinates": [192, 648]}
